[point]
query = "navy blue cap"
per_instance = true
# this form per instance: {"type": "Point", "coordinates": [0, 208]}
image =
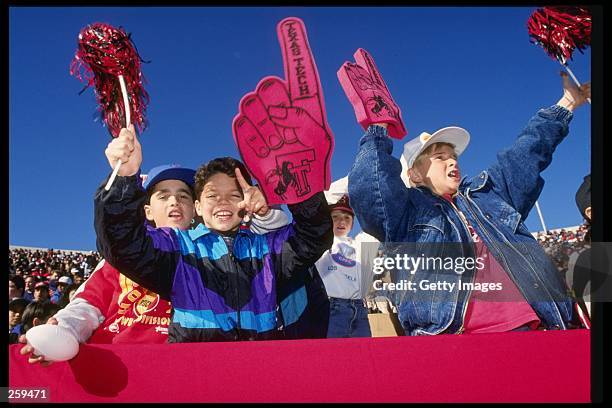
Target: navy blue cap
{"type": "Point", "coordinates": [169, 172]}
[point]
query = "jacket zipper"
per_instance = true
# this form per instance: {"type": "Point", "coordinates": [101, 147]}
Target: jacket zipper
{"type": "Point", "coordinates": [237, 291]}
{"type": "Point", "coordinates": [467, 300]}
{"type": "Point", "coordinates": [469, 293]}
{"type": "Point", "coordinates": [518, 252]}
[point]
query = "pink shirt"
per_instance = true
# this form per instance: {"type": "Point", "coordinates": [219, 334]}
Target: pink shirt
{"type": "Point", "coordinates": [496, 310]}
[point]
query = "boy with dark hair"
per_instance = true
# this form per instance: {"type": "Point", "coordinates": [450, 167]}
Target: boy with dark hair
{"type": "Point", "coordinates": [111, 308]}
{"type": "Point", "coordinates": [42, 292]}
{"type": "Point", "coordinates": [16, 287]}
{"type": "Point", "coordinates": [303, 303]}
{"type": "Point", "coordinates": [221, 278]}
{"type": "Point", "coordinates": [37, 313]}
{"type": "Point", "coordinates": [16, 308]}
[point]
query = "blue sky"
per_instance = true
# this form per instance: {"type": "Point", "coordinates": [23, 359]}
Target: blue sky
{"type": "Point", "coordinates": [462, 66]}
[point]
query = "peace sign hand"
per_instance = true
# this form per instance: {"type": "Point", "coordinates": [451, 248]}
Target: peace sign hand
{"type": "Point", "coordinates": [254, 201]}
{"type": "Point", "coordinates": [369, 95]}
{"type": "Point", "coordinates": [281, 129]}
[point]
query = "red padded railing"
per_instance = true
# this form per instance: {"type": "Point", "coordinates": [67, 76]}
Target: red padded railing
{"type": "Point", "coordinates": [551, 366]}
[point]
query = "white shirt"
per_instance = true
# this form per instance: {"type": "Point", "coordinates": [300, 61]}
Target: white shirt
{"type": "Point", "coordinates": [341, 269]}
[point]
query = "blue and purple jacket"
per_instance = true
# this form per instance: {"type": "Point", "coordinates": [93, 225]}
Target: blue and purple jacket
{"type": "Point", "coordinates": [216, 294]}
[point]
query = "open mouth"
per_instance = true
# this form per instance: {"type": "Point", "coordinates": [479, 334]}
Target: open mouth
{"type": "Point", "coordinates": [175, 215]}
{"type": "Point", "coordinates": [223, 215]}
{"type": "Point", "coordinates": [454, 174]}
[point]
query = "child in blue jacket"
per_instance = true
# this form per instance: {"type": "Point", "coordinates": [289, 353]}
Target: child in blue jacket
{"type": "Point", "coordinates": [482, 219]}
{"type": "Point", "coordinates": [222, 279]}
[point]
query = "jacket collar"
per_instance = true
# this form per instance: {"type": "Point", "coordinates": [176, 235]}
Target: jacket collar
{"type": "Point", "coordinates": [202, 230]}
{"type": "Point", "coordinates": [479, 181]}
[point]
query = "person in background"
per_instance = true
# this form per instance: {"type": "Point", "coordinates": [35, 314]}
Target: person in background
{"type": "Point", "coordinates": [346, 280]}
{"type": "Point", "coordinates": [61, 285]}
{"type": "Point", "coordinates": [28, 294]}
{"type": "Point", "coordinates": [582, 278]}
{"type": "Point", "coordinates": [37, 313]}
{"type": "Point", "coordinates": [77, 276]}
{"type": "Point", "coordinates": [16, 287]}
{"type": "Point", "coordinates": [67, 295]}
{"type": "Point", "coordinates": [41, 292]}
{"type": "Point", "coordinates": [16, 309]}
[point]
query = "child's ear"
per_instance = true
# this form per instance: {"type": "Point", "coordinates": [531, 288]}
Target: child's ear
{"type": "Point", "coordinates": [36, 321]}
{"type": "Point", "coordinates": [148, 213]}
{"type": "Point", "coordinates": [415, 175]}
{"type": "Point", "coordinates": [587, 212]}
{"type": "Point", "coordinates": [198, 207]}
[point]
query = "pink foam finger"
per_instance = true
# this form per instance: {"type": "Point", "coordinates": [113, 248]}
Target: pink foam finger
{"type": "Point", "coordinates": [396, 127]}
{"type": "Point", "coordinates": [365, 60]}
{"type": "Point", "coordinates": [272, 91]}
{"type": "Point", "coordinates": [300, 167]}
{"type": "Point", "coordinates": [349, 80]}
{"type": "Point", "coordinates": [367, 92]}
{"type": "Point", "coordinates": [297, 170]}
{"type": "Point", "coordinates": [249, 141]}
{"type": "Point", "coordinates": [300, 69]}
{"type": "Point", "coordinates": [252, 107]}
{"type": "Point", "coordinates": [285, 177]}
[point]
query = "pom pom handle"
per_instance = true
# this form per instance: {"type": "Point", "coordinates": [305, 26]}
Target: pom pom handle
{"type": "Point", "coordinates": [127, 124]}
{"type": "Point", "coordinates": [126, 103]}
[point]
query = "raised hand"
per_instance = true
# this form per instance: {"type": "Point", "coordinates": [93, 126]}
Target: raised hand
{"type": "Point", "coordinates": [281, 129]}
{"type": "Point", "coordinates": [254, 201]}
{"type": "Point", "coordinates": [574, 96]}
{"type": "Point", "coordinates": [369, 95]}
{"type": "Point", "coordinates": [126, 148]}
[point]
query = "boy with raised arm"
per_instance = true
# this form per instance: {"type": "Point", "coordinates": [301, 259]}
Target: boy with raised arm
{"type": "Point", "coordinates": [221, 278]}
{"type": "Point", "coordinates": [481, 218]}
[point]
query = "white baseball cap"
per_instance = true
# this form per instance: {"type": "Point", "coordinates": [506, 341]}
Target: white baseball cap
{"type": "Point", "coordinates": [454, 135]}
{"type": "Point", "coordinates": [65, 279]}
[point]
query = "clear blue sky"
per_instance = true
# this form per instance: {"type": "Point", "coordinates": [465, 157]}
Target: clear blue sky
{"type": "Point", "coordinates": [470, 67]}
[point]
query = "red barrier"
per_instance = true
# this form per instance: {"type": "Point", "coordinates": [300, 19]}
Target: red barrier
{"type": "Point", "coordinates": [551, 366]}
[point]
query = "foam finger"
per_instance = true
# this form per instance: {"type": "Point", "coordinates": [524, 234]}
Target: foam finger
{"type": "Point", "coordinates": [248, 138]}
{"type": "Point", "coordinates": [300, 69]}
{"type": "Point", "coordinates": [253, 108]}
{"type": "Point", "coordinates": [273, 91]}
{"type": "Point", "coordinates": [365, 60]}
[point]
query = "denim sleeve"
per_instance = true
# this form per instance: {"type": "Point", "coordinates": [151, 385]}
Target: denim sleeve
{"type": "Point", "coordinates": [147, 256]}
{"type": "Point", "coordinates": [516, 173]}
{"type": "Point", "coordinates": [376, 191]}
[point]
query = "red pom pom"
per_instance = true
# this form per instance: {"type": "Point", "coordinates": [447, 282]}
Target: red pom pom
{"type": "Point", "coordinates": [559, 30]}
{"type": "Point", "coordinates": [105, 52]}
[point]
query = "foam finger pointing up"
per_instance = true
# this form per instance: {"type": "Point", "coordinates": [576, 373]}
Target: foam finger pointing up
{"type": "Point", "coordinates": [300, 69]}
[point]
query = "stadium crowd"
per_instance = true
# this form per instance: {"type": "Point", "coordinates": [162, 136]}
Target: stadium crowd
{"type": "Point", "coordinates": [561, 244]}
{"type": "Point", "coordinates": [41, 282]}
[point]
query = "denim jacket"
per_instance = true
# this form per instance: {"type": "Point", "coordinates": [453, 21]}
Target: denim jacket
{"type": "Point", "coordinates": [495, 203]}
